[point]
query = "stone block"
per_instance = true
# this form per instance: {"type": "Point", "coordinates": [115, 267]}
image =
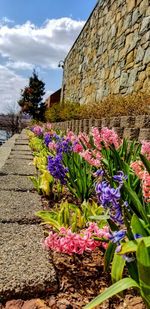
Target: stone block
{"type": "Point", "coordinates": [131, 133]}
{"type": "Point", "coordinates": [130, 57]}
{"type": "Point", "coordinates": [25, 270]}
{"type": "Point", "coordinates": [105, 122]}
{"type": "Point", "coordinates": [130, 5]}
{"type": "Point", "coordinates": [135, 16]}
{"type": "Point", "coordinates": [144, 134]}
{"type": "Point", "coordinates": [139, 54]}
{"type": "Point", "coordinates": [119, 131]}
{"type": "Point", "coordinates": [142, 121]}
{"type": "Point", "coordinates": [127, 22]}
{"type": "Point", "coordinates": [98, 123]}
{"type": "Point", "coordinates": [148, 11]}
{"type": "Point", "coordinates": [132, 77]}
{"type": "Point", "coordinates": [135, 39]}
{"type": "Point", "coordinates": [145, 25]}
{"type": "Point", "coordinates": [143, 6]}
{"type": "Point", "coordinates": [86, 125]}
{"type": "Point", "coordinates": [127, 122]}
{"type": "Point", "coordinates": [124, 80]}
{"type": "Point", "coordinates": [145, 38]}
{"type": "Point", "coordinates": [147, 56]}
{"type": "Point", "coordinates": [115, 86]}
{"type": "Point", "coordinates": [114, 122]}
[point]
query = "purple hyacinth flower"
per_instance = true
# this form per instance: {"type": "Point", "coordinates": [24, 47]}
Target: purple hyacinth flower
{"type": "Point", "coordinates": [109, 198]}
{"type": "Point", "coordinates": [120, 177]}
{"type": "Point", "coordinates": [64, 146]}
{"type": "Point", "coordinates": [136, 236]}
{"type": "Point", "coordinates": [47, 138]}
{"type": "Point", "coordinates": [56, 168]}
{"type": "Point", "coordinates": [99, 173]}
{"type": "Point", "coordinates": [117, 236]}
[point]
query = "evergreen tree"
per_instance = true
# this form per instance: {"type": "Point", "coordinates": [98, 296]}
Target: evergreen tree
{"type": "Point", "coordinates": [31, 97]}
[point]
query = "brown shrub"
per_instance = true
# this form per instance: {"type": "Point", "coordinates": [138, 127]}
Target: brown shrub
{"type": "Point", "coordinates": [112, 106]}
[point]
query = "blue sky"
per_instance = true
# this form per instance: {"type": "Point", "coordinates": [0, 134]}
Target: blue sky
{"type": "Point", "coordinates": [36, 34]}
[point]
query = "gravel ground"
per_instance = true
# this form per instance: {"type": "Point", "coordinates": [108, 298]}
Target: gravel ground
{"type": "Point", "coordinates": [24, 266]}
{"type": "Point", "coordinates": [19, 207]}
{"type": "Point", "coordinates": [16, 167]}
{"type": "Point", "coordinates": [16, 183]}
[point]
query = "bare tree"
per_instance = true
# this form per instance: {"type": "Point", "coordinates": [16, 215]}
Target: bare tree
{"type": "Point", "coordinates": [13, 116]}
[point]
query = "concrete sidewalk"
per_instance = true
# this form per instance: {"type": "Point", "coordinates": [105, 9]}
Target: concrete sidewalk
{"type": "Point", "coordinates": [25, 270]}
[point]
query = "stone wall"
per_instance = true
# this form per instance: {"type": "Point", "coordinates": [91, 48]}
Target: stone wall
{"type": "Point", "coordinates": [111, 54]}
{"type": "Point", "coordinates": [135, 127]}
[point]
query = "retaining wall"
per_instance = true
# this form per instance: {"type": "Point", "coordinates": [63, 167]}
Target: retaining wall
{"type": "Point", "coordinates": [131, 127]}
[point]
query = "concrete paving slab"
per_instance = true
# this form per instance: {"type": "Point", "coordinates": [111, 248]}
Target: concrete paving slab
{"type": "Point", "coordinates": [21, 142]}
{"type": "Point", "coordinates": [24, 167]}
{"type": "Point", "coordinates": [21, 148]}
{"type": "Point", "coordinates": [16, 183]}
{"type": "Point", "coordinates": [19, 156]}
{"type": "Point", "coordinates": [19, 207]}
{"type": "Point", "coordinates": [21, 152]}
{"type": "Point", "coordinates": [25, 269]}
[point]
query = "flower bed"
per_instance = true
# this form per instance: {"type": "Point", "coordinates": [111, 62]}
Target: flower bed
{"type": "Point", "coordinates": [101, 185]}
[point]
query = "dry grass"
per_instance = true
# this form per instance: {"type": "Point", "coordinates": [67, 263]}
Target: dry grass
{"type": "Point", "coordinates": [112, 106]}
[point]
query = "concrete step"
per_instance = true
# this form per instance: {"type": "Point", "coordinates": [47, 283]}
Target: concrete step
{"type": "Point", "coordinates": [25, 270]}
{"type": "Point", "coordinates": [19, 207]}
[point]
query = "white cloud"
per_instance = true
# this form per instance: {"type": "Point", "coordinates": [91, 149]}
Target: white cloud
{"type": "Point", "coordinates": [10, 86]}
{"type": "Point", "coordinates": [23, 47]}
{"type": "Point", "coordinates": [19, 65]}
{"type": "Point", "coordinates": [43, 46]}
{"type": "Point", "coordinates": [5, 20]}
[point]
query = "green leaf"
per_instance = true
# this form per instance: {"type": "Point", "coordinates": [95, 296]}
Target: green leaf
{"type": "Point", "coordinates": [117, 268]}
{"type": "Point", "coordinates": [109, 255]}
{"type": "Point", "coordinates": [145, 162]}
{"type": "Point", "coordinates": [47, 217]}
{"type": "Point", "coordinates": [136, 202]}
{"type": "Point", "coordinates": [131, 246]}
{"type": "Point", "coordinates": [99, 218]}
{"type": "Point", "coordinates": [139, 226]}
{"type": "Point", "coordinates": [143, 259]}
{"type": "Point", "coordinates": [114, 289]}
